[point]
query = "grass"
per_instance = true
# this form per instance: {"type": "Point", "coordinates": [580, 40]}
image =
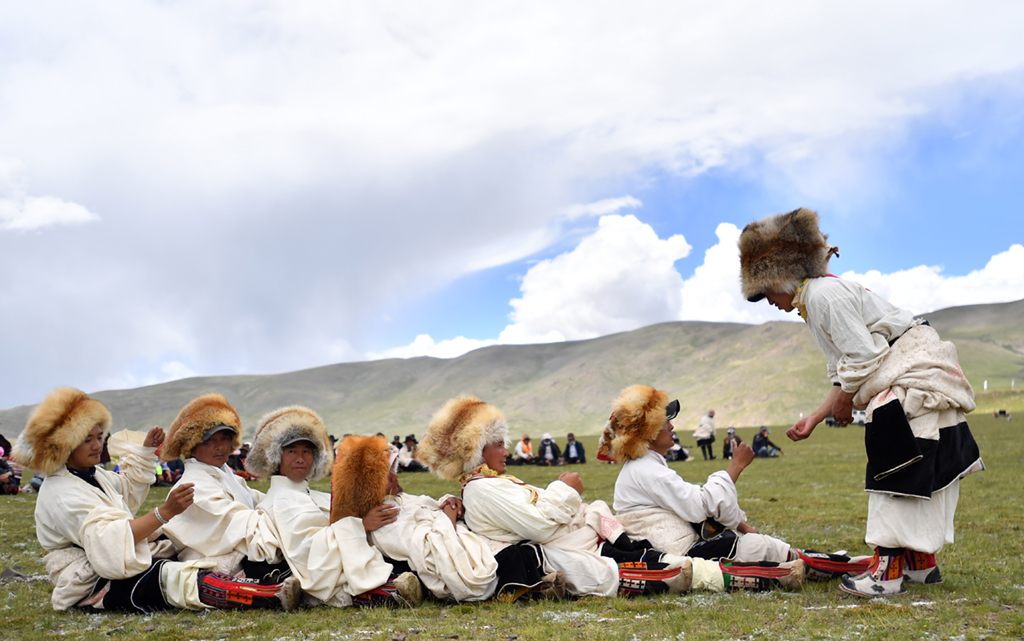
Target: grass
{"type": "Point", "coordinates": [811, 497]}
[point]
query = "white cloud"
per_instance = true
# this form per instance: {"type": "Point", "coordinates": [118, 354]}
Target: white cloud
{"type": "Point", "coordinates": [601, 207]}
{"type": "Point", "coordinates": [29, 212]}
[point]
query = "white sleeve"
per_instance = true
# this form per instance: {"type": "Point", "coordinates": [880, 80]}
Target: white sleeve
{"type": "Point", "coordinates": [505, 511]}
{"type": "Point", "coordinates": [717, 499]}
{"type": "Point", "coordinates": [137, 471]}
{"type": "Point", "coordinates": [862, 352]}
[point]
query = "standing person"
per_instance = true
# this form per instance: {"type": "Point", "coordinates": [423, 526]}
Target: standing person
{"type": "Point", "coordinates": [730, 443]}
{"type": "Point", "coordinates": [763, 446]}
{"type": "Point", "coordinates": [574, 452]}
{"type": "Point", "coordinates": [99, 553]}
{"type": "Point", "coordinates": [548, 452]}
{"type": "Point", "coordinates": [333, 561]}
{"type": "Point", "coordinates": [222, 523]}
{"type": "Point", "coordinates": [883, 360]}
{"type": "Point", "coordinates": [705, 434]}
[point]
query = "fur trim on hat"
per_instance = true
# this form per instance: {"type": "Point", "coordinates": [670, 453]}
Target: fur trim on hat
{"type": "Point", "coordinates": [57, 426]}
{"type": "Point", "coordinates": [780, 251]}
{"type": "Point", "coordinates": [455, 441]}
{"type": "Point", "coordinates": [281, 426]}
{"type": "Point", "coordinates": [194, 419]}
{"type": "Point", "coordinates": [637, 416]}
{"type": "Point", "coordinates": [360, 478]}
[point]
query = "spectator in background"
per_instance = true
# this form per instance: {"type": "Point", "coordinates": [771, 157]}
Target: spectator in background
{"type": "Point", "coordinates": [763, 446]}
{"type": "Point", "coordinates": [705, 434]}
{"type": "Point", "coordinates": [176, 468]}
{"type": "Point", "coordinates": [548, 453]}
{"type": "Point", "coordinates": [730, 443]}
{"type": "Point", "coordinates": [8, 484]}
{"type": "Point", "coordinates": [524, 452]}
{"type": "Point", "coordinates": [407, 456]}
{"type": "Point", "coordinates": [574, 452]}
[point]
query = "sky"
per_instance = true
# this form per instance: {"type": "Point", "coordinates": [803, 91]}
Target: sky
{"type": "Point", "coordinates": [192, 188]}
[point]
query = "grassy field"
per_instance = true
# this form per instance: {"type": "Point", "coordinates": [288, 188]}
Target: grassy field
{"type": "Point", "coordinates": [811, 497]}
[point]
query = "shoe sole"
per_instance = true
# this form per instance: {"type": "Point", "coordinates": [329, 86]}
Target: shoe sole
{"type": "Point", "coordinates": [409, 589]}
{"type": "Point", "coordinates": [291, 594]}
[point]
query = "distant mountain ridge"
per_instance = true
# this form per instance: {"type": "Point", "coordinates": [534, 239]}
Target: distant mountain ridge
{"type": "Point", "coordinates": [750, 374]}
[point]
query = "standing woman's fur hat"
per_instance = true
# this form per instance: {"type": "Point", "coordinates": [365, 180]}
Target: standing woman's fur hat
{"type": "Point", "coordinates": [57, 426]}
{"type": "Point", "coordinates": [360, 478]}
{"type": "Point", "coordinates": [638, 414]}
{"type": "Point", "coordinates": [455, 441]}
{"type": "Point", "coordinates": [283, 427]}
{"type": "Point", "coordinates": [778, 252]}
{"type": "Point", "coordinates": [194, 420]}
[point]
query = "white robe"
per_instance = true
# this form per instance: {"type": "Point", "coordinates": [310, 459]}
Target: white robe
{"type": "Point", "coordinates": [450, 560]}
{"type": "Point", "coordinates": [653, 502]}
{"type": "Point", "coordinates": [569, 530]}
{"type": "Point", "coordinates": [88, 534]}
{"type": "Point", "coordinates": [222, 523]}
{"type": "Point", "coordinates": [334, 562]}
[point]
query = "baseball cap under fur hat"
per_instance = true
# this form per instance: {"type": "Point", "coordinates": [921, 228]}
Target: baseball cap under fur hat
{"type": "Point", "coordinates": [638, 414]}
{"type": "Point", "coordinates": [201, 414]}
{"type": "Point", "coordinates": [283, 427]}
{"type": "Point", "coordinates": [360, 478]}
{"type": "Point", "coordinates": [459, 431]}
{"type": "Point", "coordinates": [778, 252]}
{"type": "Point", "coordinates": [56, 427]}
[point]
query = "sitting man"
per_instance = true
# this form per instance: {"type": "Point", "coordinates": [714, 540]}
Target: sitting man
{"type": "Point", "coordinates": [574, 452]}
{"type": "Point", "coordinates": [100, 554]}
{"type": "Point", "coordinates": [222, 524]}
{"type": "Point", "coordinates": [763, 446]}
{"type": "Point", "coordinates": [466, 441]}
{"type": "Point", "coordinates": [407, 456]}
{"type": "Point", "coordinates": [524, 452]}
{"type": "Point", "coordinates": [548, 452]}
{"type": "Point", "coordinates": [334, 561]}
{"type": "Point", "coordinates": [653, 502]}
{"type": "Point", "coordinates": [427, 536]}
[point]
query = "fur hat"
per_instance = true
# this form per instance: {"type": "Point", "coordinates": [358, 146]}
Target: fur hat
{"type": "Point", "coordinates": [201, 414]}
{"type": "Point", "coordinates": [780, 251]}
{"type": "Point", "coordinates": [360, 478]}
{"type": "Point", "coordinates": [638, 415]}
{"type": "Point", "coordinates": [57, 426]}
{"type": "Point", "coordinates": [282, 427]}
{"type": "Point", "coordinates": [455, 441]}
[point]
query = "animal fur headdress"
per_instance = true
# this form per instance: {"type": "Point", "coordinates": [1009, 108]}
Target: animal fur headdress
{"type": "Point", "coordinates": [638, 415]}
{"type": "Point", "coordinates": [283, 426]}
{"type": "Point", "coordinates": [57, 426]}
{"type": "Point", "coordinates": [455, 441]}
{"type": "Point", "coordinates": [360, 478]}
{"type": "Point", "coordinates": [778, 252]}
{"type": "Point", "coordinates": [201, 414]}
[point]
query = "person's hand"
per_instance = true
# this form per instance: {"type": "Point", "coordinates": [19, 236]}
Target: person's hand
{"type": "Point", "coordinates": [380, 516]}
{"type": "Point", "coordinates": [451, 511]}
{"type": "Point", "coordinates": [456, 502]}
{"type": "Point", "coordinates": [5, 476]}
{"type": "Point", "coordinates": [802, 429]}
{"type": "Point", "coordinates": [572, 479]}
{"type": "Point", "coordinates": [742, 455]}
{"type": "Point", "coordinates": [154, 437]}
{"type": "Point", "coordinates": [842, 408]}
{"type": "Point", "coordinates": [744, 528]}
{"type": "Point", "coordinates": [178, 500]}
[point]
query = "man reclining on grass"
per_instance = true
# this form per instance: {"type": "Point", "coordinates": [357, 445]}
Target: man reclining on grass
{"type": "Point", "coordinates": [653, 502]}
{"type": "Point", "coordinates": [334, 561]}
{"type": "Point", "coordinates": [466, 441]}
{"type": "Point", "coordinates": [222, 524]}
{"type": "Point", "coordinates": [427, 537]}
{"type": "Point", "coordinates": [100, 555]}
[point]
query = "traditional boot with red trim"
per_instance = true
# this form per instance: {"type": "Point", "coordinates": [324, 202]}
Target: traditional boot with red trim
{"type": "Point", "coordinates": [404, 590]}
{"type": "Point", "coordinates": [921, 568]}
{"type": "Point", "coordinates": [822, 566]}
{"type": "Point", "coordinates": [762, 575]}
{"type": "Point", "coordinates": [225, 591]}
{"type": "Point", "coordinates": [884, 577]}
{"type": "Point", "coordinates": [651, 577]}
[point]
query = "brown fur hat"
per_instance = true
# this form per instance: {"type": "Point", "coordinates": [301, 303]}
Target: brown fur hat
{"type": "Point", "coordinates": [637, 416]}
{"type": "Point", "coordinates": [360, 478]}
{"type": "Point", "coordinates": [57, 426]}
{"type": "Point", "coordinates": [778, 252]}
{"type": "Point", "coordinates": [455, 441]}
{"type": "Point", "coordinates": [282, 426]}
{"type": "Point", "coordinates": [209, 410]}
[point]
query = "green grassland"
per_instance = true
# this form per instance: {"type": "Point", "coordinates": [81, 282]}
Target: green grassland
{"type": "Point", "coordinates": [811, 497]}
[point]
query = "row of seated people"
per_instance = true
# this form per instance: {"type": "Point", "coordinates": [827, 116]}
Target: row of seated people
{"type": "Point", "coordinates": [217, 543]}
